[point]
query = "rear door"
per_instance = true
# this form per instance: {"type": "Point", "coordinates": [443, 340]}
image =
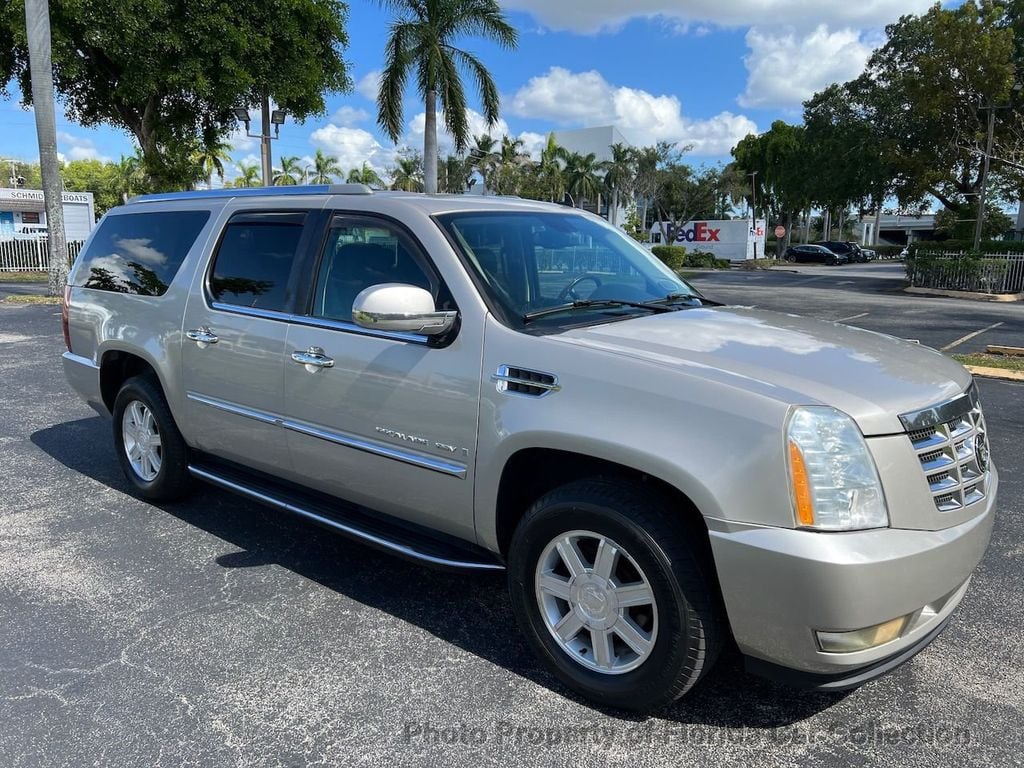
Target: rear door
{"type": "Point", "coordinates": [233, 345]}
{"type": "Point", "coordinates": [392, 423]}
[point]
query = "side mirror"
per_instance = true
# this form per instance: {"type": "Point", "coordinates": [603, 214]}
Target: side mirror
{"type": "Point", "coordinates": [402, 308]}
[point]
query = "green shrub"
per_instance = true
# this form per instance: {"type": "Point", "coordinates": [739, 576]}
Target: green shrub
{"type": "Point", "coordinates": [673, 256]}
{"type": "Point", "coordinates": [960, 272]}
{"type": "Point", "coordinates": [703, 260]}
{"type": "Point", "coordinates": [886, 251]}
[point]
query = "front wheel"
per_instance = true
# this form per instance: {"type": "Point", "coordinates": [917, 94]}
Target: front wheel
{"type": "Point", "coordinates": [611, 594]}
{"type": "Point", "coordinates": [152, 452]}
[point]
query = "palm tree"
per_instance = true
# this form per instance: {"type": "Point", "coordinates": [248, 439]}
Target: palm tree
{"type": "Point", "coordinates": [248, 175]}
{"type": "Point", "coordinates": [211, 155]}
{"type": "Point", "coordinates": [620, 173]}
{"type": "Point", "coordinates": [365, 175]}
{"type": "Point", "coordinates": [550, 170]}
{"type": "Point", "coordinates": [484, 159]}
{"type": "Point", "coordinates": [407, 175]}
{"type": "Point", "coordinates": [127, 175]}
{"type": "Point", "coordinates": [455, 174]}
{"type": "Point", "coordinates": [289, 173]}
{"type": "Point", "coordinates": [511, 161]}
{"type": "Point", "coordinates": [37, 23]}
{"type": "Point", "coordinates": [325, 168]}
{"type": "Point", "coordinates": [421, 40]}
{"type": "Point", "coordinates": [581, 176]}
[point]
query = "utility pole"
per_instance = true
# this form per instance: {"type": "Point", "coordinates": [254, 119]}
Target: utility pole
{"type": "Point", "coordinates": [268, 168]}
{"type": "Point", "coordinates": [984, 176]}
{"type": "Point", "coordinates": [37, 26]}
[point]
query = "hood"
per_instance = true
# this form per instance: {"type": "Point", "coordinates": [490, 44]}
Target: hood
{"type": "Point", "coordinates": [870, 376]}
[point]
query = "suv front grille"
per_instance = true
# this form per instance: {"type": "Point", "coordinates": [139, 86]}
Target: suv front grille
{"type": "Point", "coordinates": [952, 445]}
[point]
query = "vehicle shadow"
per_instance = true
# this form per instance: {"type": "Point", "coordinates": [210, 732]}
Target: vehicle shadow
{"type": "Point", "coordinates": [470, 619]}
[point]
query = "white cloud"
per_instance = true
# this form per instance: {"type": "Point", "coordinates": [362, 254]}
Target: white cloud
{"type": "Point", "coordinates": [533, 143]}
{"type": "Point", "coordinates": [240, 141]}
{"type": "Point", "coordinates": [445, 143]}
{"type": "Point", "coordinates": [596, 15]}
{"type": "Point", "coordinates": [349, 116]}
{"type": "Point", "coordinates": [586, 99]}
{"type": "Point", "coordinates": [785, 68]}
{"type": "Point", "coordinates": [369, 85]}
{"type": "Point", "coordinates": [352, 147]}
{"type": "Point", "coordinates": [80, 148]}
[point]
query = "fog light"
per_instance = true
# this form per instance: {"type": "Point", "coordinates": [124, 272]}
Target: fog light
{"type": "Point", "coordinates": [862, 639]}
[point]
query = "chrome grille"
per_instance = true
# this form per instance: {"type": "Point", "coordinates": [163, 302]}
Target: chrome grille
{"type": "Point", "coordinates": [952, 445]}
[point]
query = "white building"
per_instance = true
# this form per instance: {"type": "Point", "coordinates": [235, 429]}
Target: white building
{"type": "Point", "coordinates": [598, 141]}
{"type": "Point", "coordinates": [22, 213]}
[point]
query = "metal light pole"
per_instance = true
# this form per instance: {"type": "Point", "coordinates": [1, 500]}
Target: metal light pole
{"type": "Point", "coordinates": [979, 223]}
{"type": "Point", "coordinates": [753, 208]}
{"type": "Point", "coordinates": [268, 168]}
{"type": "Point", "coordinates": [37, 25]}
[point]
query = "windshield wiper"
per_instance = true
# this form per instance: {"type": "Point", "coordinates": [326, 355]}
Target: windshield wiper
{"type": "Point", "coordinates": [673, 297]}
{"type": "Point", "coordinates": [592, 303]}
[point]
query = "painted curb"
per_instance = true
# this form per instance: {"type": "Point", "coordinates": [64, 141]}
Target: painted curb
{"type": "Point", "coordinates": [995, 373]}
{"type": "Point", "coordinates": [998, 297]}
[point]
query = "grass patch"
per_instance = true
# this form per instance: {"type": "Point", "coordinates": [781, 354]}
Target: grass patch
{"type": "Point", "coordinates": [32, 299]}
{"type": "Point", "coordinates": [762, 263]}
{"type": "Point", "coordinates": [992, 361]}
{"type": "Point", "coordinates": [24, 277]}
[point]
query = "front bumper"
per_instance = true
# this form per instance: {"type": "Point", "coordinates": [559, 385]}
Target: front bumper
{"type": "Point", "coordinates": [780, 585]}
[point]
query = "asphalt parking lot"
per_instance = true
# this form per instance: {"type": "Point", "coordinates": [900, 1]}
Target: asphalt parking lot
{"type": "Point", "coordinates": [217, 633]}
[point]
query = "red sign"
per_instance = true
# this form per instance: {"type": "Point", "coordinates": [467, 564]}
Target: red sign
{"type": "Point", "coordinates": [780, 232]}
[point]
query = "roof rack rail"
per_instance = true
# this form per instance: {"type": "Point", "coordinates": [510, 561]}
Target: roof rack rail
{"type": "Point", "coordinates": [229, 192]}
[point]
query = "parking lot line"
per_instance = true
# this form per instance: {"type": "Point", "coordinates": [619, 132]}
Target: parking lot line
{"type": "Point", "coordinates": [852, 317]}
{"type": "Point", "coordinates": [968, 337]}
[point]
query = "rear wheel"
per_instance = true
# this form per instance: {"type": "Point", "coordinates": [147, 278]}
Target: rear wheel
{"type": "Point", "coordinates": [152, 452]}
{"type": "Point", "coordinates": [612, 595]}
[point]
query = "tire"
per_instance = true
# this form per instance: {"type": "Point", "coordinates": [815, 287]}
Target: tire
{"type": "Point", "coordinates": [683, 622]}
{"type": "Point", "coordinates": [170, 480]}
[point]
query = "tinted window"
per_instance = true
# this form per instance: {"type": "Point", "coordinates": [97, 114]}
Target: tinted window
{"type": "Point", "coordinates": [140, 252]}
{"type": "Point", "coordinates": [254, 260]}
{"type": "Point", "coordinates": [358, 255]}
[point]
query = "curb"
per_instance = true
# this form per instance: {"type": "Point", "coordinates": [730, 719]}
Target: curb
{"type": "Point", "coordinates": [995, 373]}
{"type": "Point", "coordinates": [1000, 297]}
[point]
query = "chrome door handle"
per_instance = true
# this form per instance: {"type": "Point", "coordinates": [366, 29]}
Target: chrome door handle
{"type": "Point", "coordinates": [313, 358]}
{"type": "Point", "coordinates": [202, 336]}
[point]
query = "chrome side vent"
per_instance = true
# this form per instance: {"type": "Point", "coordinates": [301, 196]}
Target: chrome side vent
{"type": "Point", "coordinates": [523, 381]}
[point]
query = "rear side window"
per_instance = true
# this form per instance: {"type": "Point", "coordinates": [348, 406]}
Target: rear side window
{"type": "Point", "coordinates": [140, 253]}
{"type": "Point", "coordinates": [254, 261]}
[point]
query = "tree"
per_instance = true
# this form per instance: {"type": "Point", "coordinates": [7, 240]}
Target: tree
{"type": "Point", "coordinates": [365, 175]}
{"type": "Point", "coordinates": [484, 158]}
{"type": "Point", "coordinates": [37, 24]}
{"type": "Point", "coordinates": [168, 73]}
{"type": "Point", "coordinates": [421, 38]}
{"type": "Point", "coordinates": [325, 168]}
{"type": "Point", "coordinates": [511, 161]}
{"type": "Point", "coordinates": [210, 158]}
{"type": "Point", "coordinates": [127, 176]}
{"type": "Point", "coordinates": [952, 223]}
{"type": "Point", "coordinates": [551, 177]}
{"type": "Point", "coordinates": [407, 175]}
{"type": "Point", "coordinates": [97, 177]}
{"type": "Point", "coordinates": [455, 174]}
{"type": "Point", "coordinates": [924, 99]}
{"type": "Point", "coordinates": [289, 173]}
{"type": "Point", "coordinates": [619, 177]}
{"type": "Point", "coordinates": [249, 175]}
{"type": "Point", "coordinates": [581, 176]}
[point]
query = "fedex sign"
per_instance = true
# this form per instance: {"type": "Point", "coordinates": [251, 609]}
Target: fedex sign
{"type": "Point", "coordinates": [735, 239]}
{"type": "Point", "coordinates": [700, 232]}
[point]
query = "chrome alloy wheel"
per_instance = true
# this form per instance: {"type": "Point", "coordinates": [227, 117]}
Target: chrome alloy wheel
{"type": "Point", "coordinates": [141, 440]}
{"type": "Point", "coordinates": [596, 602]}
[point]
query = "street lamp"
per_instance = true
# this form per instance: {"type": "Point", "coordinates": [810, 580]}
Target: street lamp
{"type": "Point", "coordinates": [276, 119]}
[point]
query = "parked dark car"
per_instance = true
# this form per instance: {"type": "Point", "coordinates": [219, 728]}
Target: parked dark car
{"type": "Point", "coordinates": [842, 248]}
{"type": "Point", "coordinates": [815, 253]}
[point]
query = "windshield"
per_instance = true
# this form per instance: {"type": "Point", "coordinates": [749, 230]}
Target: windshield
{"type": "Point", "coordinates": [530, 262]}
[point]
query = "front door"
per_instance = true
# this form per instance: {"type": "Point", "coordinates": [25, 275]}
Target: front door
{"type": "Point", "coordinates": [233, 346]}
{"type": "Point", "coordinates": [386, 420]}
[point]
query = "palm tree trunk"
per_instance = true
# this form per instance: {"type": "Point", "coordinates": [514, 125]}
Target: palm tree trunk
{"type": "Point", "coordinates": [614, 213]}
{"type": "Point", "coordinates": [37, 24]}
{"type": "Point", "coordinates": [430, 145]}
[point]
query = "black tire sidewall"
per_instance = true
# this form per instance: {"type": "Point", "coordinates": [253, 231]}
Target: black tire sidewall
{"type": "Point", "coordinates": [650, 685]}
{"type": "Point", "coordinates": [172, 479]}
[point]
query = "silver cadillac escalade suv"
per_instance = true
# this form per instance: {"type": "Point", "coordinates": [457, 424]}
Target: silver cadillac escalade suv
{"type": "Point", "coordinates": [498, 384]}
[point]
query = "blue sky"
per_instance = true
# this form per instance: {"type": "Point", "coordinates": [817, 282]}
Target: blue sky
{"type": "Point", "coordinates": [698, 72]}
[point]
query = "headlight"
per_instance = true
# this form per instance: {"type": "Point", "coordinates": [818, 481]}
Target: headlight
{"type": "Point", "coordinates": [834, 482]}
